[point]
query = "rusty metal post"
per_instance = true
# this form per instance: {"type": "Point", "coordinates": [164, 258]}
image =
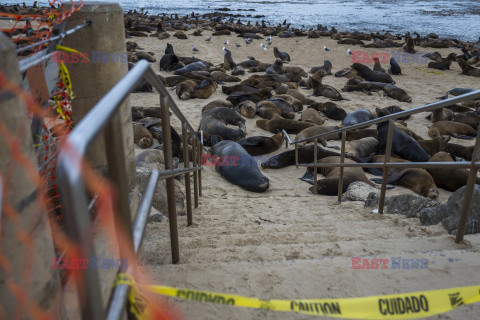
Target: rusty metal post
{"type": "Point", "coordinates": [296, 155]}
{"type": "Point", "coordinates": [168, 155]}
{"type": "Point", "coordinates": [342, 160]}
{"type": "Point", "coordinates": [467, 199]}
{"type": "Point", "coordinates": [195, 173]}
{"type": "Point", "coordinates": [199, 163]}
{"type": "Point", "coordinates": [186, 164]}
{"type": "Point", "coordinates": [388, 152]}
{"type": "Point", "coordinates": [315, 145]}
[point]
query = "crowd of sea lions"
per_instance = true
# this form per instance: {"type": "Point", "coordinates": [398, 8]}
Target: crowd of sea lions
{"type": "Point", "coordinates": [270, 92]}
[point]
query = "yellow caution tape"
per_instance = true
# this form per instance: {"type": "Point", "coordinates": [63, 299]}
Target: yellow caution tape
{"type": "Point", "coordinates": [434, 72]}
{"type": "Point", "coordinates": [66, 79]}
{"type": "Point", "coordinates": [70, 50]}
{"type": "Point", "coordinates": [395, 306]}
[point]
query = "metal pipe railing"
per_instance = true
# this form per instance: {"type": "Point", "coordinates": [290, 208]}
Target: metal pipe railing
{"type": "Point", "coordinates": [473, 164]}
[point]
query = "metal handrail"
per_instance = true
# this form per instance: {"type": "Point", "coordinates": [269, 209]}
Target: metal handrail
{"type": "Point", "coordinates": [429, 107]}
{"type": "Point", "coordinates": [72, 189]}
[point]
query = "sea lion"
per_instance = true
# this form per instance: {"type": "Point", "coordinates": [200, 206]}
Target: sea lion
{"type": "Point", "coordinates": [396, 109]}
{"type": "Point", "coordinates": [472, 118]}
{"type": "Point", "coordinates": [435, 145]}
{"type": "Point", "coordinates": [296, 104]}
{"type": "Point", "coordinates": [222, 76]}
{"type": "Point", "coordinates": [468, 69]}
{"type": "Point", "coordinates": [285, 108]}
{"type": "Point", "coordinates": [305, 155]}
{"type": "Point", "coordinates": [239, 88]}
{"type": "Point", "coordinates": [215, 121]}
{"type": "Point", "coordinates": [329, 185]}
{"type": "Point", "coordinates": [361, 133]}
{"type": "Point", "coordinates": [312, 116]}
{"type": "Point", "coordinates": [184, 89]}
{"type": "Point", "coordinates": [409, 45]}
{"type": "Point", "coordinates": [415, 179]}
{"type": "Point", "coordinates": [228, 62]}
{"type": "Point", "coordinates": [248, 109]}
{"type": "Point", "coordinates": [268, 110]}
{"type": "Point", "coordinates": [377, 66]}
{"type": "Point", "coordinates": [394, 67]}
{"type": "Point", "coordinates": [259, 145]}
{"type": "Point", "coordinates": [205, 89]}
{"type": "Point", "coordinates": [146, 56]}
{"type": "Point", "coordinates": [460, 151]}
{"type": "Point", "coordinates": [294, 70]}
{"type": "Point", "coordinates": [327, 66]}
{"type": "Point", "coordinates": [320, 89]}
{"type": "Point", "coordinates": [442, 114]}
{"type": "Point", "coordinates": [170, 62]}
{"type": "Point", "coordinates": [316, 130]}
{"type": "Point", "coordinates": [277, 124]}
{"type": "Point", "coordinates": [142, 112]}
{"type": "Point", "coordinates": [282, 55]}
{"type": "Point", "coordinates": [276, 67]}
{"type": "Point", "coordinates": [402, 144]}
{"type": "Point", "coordinates": [358, 116]}
{"type": "Point", "coordinates": [282, 88]}
{"type": "Point", "coordinates": [449, 179]}
{"type": "Point", "coordinates": [443, 64]}
{"type": "Point", "coordinates": [141, 136]}
{"type": "Point", "coordinates": [329, 109]}
{"type": "Point", "coordinates": [370, 75]}
{"type": "Point", "coordinates": [408, 131]}
{"type": "Point", "coordinates": [362, 148]}
{"type": "Point", "coordinates": [455, 129]}
{"type": "Point", "coordinates": [195, 66]}
{"type": "Point", "coordinates": [238, 167]}
{"type": "Point", "coordinates": [238, 97]}
{"type": "Point", "coordinates": [216, 103]}
{"type": "Point", "coordinates": [456, 92]}
{"type": "Point", "coordinates": [300, 97]}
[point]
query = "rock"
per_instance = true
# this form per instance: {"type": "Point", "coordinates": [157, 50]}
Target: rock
{"type": "Point", "coordinates": [449, 213]}
{"type": "Point", "coordinates": [155, 216]}
{"type": "Point", "coordinates": [408, 204]}
{"type": "Point", "coordinates": [358, 191]}
{"type": "Point", "coordinates": [372, 200]}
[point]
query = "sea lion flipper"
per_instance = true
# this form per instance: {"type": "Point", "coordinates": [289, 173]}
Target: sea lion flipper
{"type": "Point", "coordinates": [203, 84]}
{"type": "Point", "coordinates": [308, 177]}
{"type": "Point", "coordinates": [460, 136]}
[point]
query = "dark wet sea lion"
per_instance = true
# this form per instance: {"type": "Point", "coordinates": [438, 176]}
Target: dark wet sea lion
{"type": "Point", "coordinates": [142, 112]}
{"type": "Point", "coordinates": [277, 124]}
{"type": "Point", "coordinates": [259, 145]}
{"type": "Point", "coordinates": [195, 66]}
{"type": "Point", "coordinates": [396, 109]}
{"type": "Point", "coordinates": [286, 109]}
{"type": "Point", "coordinates": [215, 121]}
{"type": "Point", "coordinates": [444, 64]}
{"type": "Point", "coordinates": [358, 116]}
{"type": "Point", "coordinates": [320, 89]}
{"type": "Point", "coordinates": [408, 131]}
{"type": "Point", "coordinates": [370, 75]}
{"type": "Point", "coordinates": [238, 97]}
{"type": "Point", "coordinates": [377, 66]}
{"type": "Point", "coordinates": [305, 155]}
{"type": "Point", "coordinates": [312, 116]}
{"type": "Point", "coordinates": [141, 136]}
{"type": "Point", "coordinates": [435, 145]}
{"type": "Point", "coordinates": [238, 167]}
{"type": "Point", "coordinates": [296, 104]}
{"type": "Point", "coordinates": [449, 179]}
{"type": "Point", "coordinates": [329, 109]}
{"type": "Point", "coordinates": [239, 88]}
{"type": "Point", "coordinates": [170, 62]}
{"type": "Point", "coordinates": [402, 144]}
{"type": "Point", "coordinates": [472, 118]}
{"type": "Point", "coordinates": [394, 67]}
{"type": "Point", "coordinates": [455, 129]}
{"type": "Point", "coordinates": [456, 92]}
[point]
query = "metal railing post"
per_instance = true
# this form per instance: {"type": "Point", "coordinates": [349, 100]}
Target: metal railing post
{"type": "Point", "coordinates": [315, 145]}
{"type": "Point", "coordinates": [467, 198]}
{"type": "Point", "coordinates": [296, 155]}
{"type": "Point", "coordinates": [342, 160]}
{"type": "Point", "coordinates": [388, 152]}
{"type": "Point", "coordinates": [167, 150]}
{"type": "Point", "coordinates": [195, 174]}
{"type": "Point", "coordinates": [199, 164]}
{"type": "Point", "coordinates": [186, 164]}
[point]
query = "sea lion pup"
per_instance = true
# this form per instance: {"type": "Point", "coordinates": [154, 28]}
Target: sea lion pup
{"type": "Point", "coordinates": [239, 88]}
{"type": "Point", "coordinates": [312, 116]}
{"type": "Point", "coordinates": [282, 88]}
{"type": "Point", "coordinates": [268, 110]}
{"type": "Point", "coordinates": [396, 109]}
{"type": "Point", "coordinates": [330, 110]}
{"type": "Point", "coordinates": [238, 167]}
{"type": "Point", "coordinates": [468, 69]}
{"type": "Point", "coordinates": [259, 145]}
{"type": "Point", "coordinates": [142, 112]}
{"type": "Point", "coordinates": [409, 44]}
{"type": "Point", "coordinates": [238, 97]}
{"type": "Point", "coordinates": [394, 67]}
{"type": "Point", "coordinates": [248, 109]}
{"type": "Point", "coordinates": [282, 55]}
{"type": "Point", "coordinates": [441, 114]}
{"type": "Point", "coordinates": [434, 145]}
{"type": "Point", "coordinates": [449, 179]}
{"type": "Point", "coordinates": [184, 89]}
{"type": "Point", "coordinates": [222, 76]}
{"type": "Point", "coordinates": [443, 64]}
{"type": "Point", "coordinates": [295, 103]}
{"type": "Point", "coordinates": [286, 109]}
{"type": "Point", "coordinates": [377, 66]}
{"type": "Point", "coordinates": [327, 67]}
{"type": "Point", "coordinates": [329, 185]}
{"type": "Point", "coordinates": [402, 144]}
{"type": "Point", "coordinates": [316, 130]}
{"type": "Point", "coordinates": [460, 151]}
{"type": "Point", "coordinates": [455, 129]}
{"type": "Point", "coordinates": [276, 125]}
{"type": "Point", "coordinates": [217, 103]}
{"type": "Point", "coordinates": [294, 70]}
{"type": "Point", "coordinates": [215, 121]}
{"type": "Point", "coordinates": [299, 96]}
{"type": "Point", "coordinates": [370, 75]}
{"type": "Point", "coordinates": [320, 89]}
{"type": "Point", "coordinates": [195, 66]}
{"type": "Point", "coordinates": [205, 89]}
{"type": "Point", "coordinates": [397, 93]}
{"type": "Point", "coordinates": [228, 62]}
{"type": "Point", "coordinates": [141, 136]}
{"type": "Point", "coordinates": [415, 179]}
{"type": "Point", "coordinates": [456, 92]}
{"type": "Point", "coordinates": [305, 155]}
{"type": "Point", "coordinates": [276, 67]}
{"type": "Point", "coordinates": [362, 148]}
{"type": "Point", "coordinates": [146, 56]}
{"type": "Point", "coordinates": [170, 62]}
{"type": "Point", "coordinates": [358, 116]}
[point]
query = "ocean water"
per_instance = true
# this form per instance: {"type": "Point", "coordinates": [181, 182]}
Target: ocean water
{"type": "Point", "coordinates": [453, 18]}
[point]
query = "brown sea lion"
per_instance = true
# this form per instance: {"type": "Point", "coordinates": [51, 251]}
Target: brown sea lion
{"type": "Point", "coordinates": [285, 108]}
{"type": "Point", "coordinates": [222, 76]}
{"type": "Point", "coordinates": [443, 64]}
{"type": "Point", "coordinates": [377, 66]}
{"type": "Point", "coordinates": [370, 75]}
{"type": "Point", "coordinates": [409, 45]}
{"type": "Point", "coordinates": [277, 124]}
{"type": "Point", "coordinates": [449, 179]}
{"type": "Point", "coordinates": [408, 131]}
{"type": "Point", "coordinates": [276, 67]}
{"type": "Point", "coordinates": [460, 151]}
{"type": "Point", "coordinates": [141, 136]}
{"type": "Point", "coordinates": [320, 89]}
{"type": "Point", "coordinates": [259, 145]}
{"type": "Point", "coordinates": [327, 67]}
{"type": "Point", "coordinates": [312, 116]}
{"type": "Point", "coordinates": [239, 88]}
{"type": "Point", "coordinates": [305, 155]}
{"type": "Point", "coordinates": [329, 109]}
{"type": "Point", "coordinates": [455, 129]}
{"type": "Point", "coordinates": [435, 145]}
{"type": "Point", "coordinates": [300, 97]}
{"type": "Point", "coordinates": [442, 114]}
{"type": "Point", "coordinates": [468, 69]}
{"type": "Point", "coordinates": [296, 104]}
{"type": "Point", "coordinates": [248, 109]}
{"type": "Point", "coordinates": [215, 121]}
{"type": "Point", "coordinates": [361, 133]}
{"type": "Point", "coordinates": [205, 89]}
{"type": "Point", "coordinates": [184, 89]}
{"type": "Point", "coordinates": [316, 130]}
{"type": "Point", "coordinates": [146, 56]}
{"type": "Point", "coordinates": [362, 148]}
{"type": "Point", "coordinates": [217, 103]}
{"type": "Point", "coordinates": [472, 118]}
{"type": "Point", "coordinates": [396, 109]}
{"type": "Point", "coordinates": [142, 112]}
{"type": "Point", "coordinates": [282, 88]}
{"type": "Point", "coordinates": [294, 70]}
{"type": "Point", "coordinates": [268, 110]}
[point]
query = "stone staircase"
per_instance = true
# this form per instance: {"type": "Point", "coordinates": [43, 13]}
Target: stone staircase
{"type": "Point", "coordinates": [290, 244]}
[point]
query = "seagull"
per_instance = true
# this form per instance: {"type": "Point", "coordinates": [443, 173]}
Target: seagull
{"type": "Point", "coordinates": [237, 45]}
{"type": "Point", "coordinates": [224, 49]}
{"type": "Point", "coordinates": [269, 38]}
{"type": "Point", "coordinates": [263, 46]}
{"type": "Point", "coordinates": [349, 52]}
{"type": "Point", "coordinates": [226, 43]}
{"type": "Point", "coordinates": [209, 39]}
{"type": "Point", "coordinates": [194, 49]}
{"type": "Point", "coordinates": [269, 43]}
{"type": "Point", "coordinates": [325, 48]}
